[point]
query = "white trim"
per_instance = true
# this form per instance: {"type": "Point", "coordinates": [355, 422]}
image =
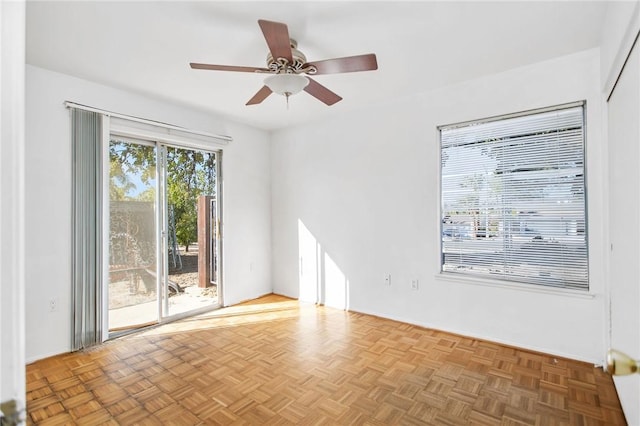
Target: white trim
{"type": "Point", "coordinates": [606, 253]}
{"type": "Point", "coordinates": [162, 233]}
{"type": "Point", "coordinates": [12, 199]}
{"type": "Point", "coordinates": [168, 130]}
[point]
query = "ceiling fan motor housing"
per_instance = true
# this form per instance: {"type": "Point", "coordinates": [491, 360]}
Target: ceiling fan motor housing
{"type": "Point", "coordinates": [283, 66]}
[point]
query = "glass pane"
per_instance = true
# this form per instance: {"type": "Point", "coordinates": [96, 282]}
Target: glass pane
{"type": "Point", "coordinates": [133, 297]}
{"type": "Point", "coordinates": [192, 244]}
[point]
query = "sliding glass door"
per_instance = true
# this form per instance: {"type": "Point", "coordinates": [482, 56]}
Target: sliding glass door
{"type": "Point", "coordinates": [163, 245]}
{"type": "Point", "coordinates": [191, 186]}
{"type": "Point", "coordinates": [132, 238]}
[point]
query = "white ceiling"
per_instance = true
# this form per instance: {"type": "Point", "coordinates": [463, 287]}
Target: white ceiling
{"type": "Point", "coordinates": [146, 47]}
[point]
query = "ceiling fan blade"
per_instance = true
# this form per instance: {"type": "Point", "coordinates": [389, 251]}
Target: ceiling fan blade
{"type": "Point", "coordinates": [226, 68]}
{"type": "Point", "coordinates": [277, 36]}
{"type": "Point", "coordinates": [260, 96]}
{"type": "Point", "coordinates": [366, 62]}
{"type": "Point", "coordinates": [320, 92]}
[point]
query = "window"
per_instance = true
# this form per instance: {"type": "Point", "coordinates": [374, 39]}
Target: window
{"type": "Point", "coordinates": [513, 198]}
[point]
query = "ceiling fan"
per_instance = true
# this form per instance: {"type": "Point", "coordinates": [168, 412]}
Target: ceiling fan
{"type": "Point", "coordinates": [286, 66]}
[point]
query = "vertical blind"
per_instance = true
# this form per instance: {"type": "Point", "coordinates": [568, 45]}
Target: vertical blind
{"type": "Point", "coordinates": [87, 228]}
{"type": "Point", "coordinates": [513, 203]}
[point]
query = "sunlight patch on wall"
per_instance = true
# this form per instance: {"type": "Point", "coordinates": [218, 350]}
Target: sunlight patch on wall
{"type": "Point", "coordinates": [320, 279]}
{"type": "Point", "coordinates": [335, 285]}
{"type": "Point", "coordinates": [308, 265]}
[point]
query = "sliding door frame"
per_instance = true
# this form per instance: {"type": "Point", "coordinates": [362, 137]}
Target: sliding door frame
{"type": "Point", "coordinates": [164, 228]}
{"type": "Point", "coordinates": [136, 132]}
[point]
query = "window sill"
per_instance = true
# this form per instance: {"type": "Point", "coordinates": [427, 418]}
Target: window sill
{"type": "Point", "coordinates": [531, 288]}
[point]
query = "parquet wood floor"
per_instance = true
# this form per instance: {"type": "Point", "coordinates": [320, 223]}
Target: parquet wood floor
{"type": "Point", "coordinates": [274, 361]}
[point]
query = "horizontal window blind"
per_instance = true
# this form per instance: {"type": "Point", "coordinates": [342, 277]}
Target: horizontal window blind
{"type": "Point", "coordinates": [513, 199]}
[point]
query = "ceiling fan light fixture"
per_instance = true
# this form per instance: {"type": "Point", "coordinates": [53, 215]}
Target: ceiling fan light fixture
{"type": "Point", "coordinates": [286, 84]}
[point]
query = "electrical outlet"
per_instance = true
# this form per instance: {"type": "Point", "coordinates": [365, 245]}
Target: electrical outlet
{"type": "Point", "coordinates": [387, 279]}
{"type": "Point", "coordinates": [53, 304]}
{"type": "Point", "coordinates": [414, 284]}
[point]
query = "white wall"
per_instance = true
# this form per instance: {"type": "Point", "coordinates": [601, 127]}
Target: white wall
{"type": "Point", "coordinates": [359, 195]}
{"type": "Point", "coordinates": [12, 168]}
{"type": "Point", "coordinates": [246, 174]}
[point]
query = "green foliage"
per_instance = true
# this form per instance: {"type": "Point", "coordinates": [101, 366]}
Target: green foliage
{"type": "Point", "coordinates": [126, 161]}
{"type": "Point", "coordinates": [190, 174]}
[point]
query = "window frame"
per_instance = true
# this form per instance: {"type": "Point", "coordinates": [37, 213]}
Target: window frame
{"type": "Point", "coordinates": [504, 280]}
